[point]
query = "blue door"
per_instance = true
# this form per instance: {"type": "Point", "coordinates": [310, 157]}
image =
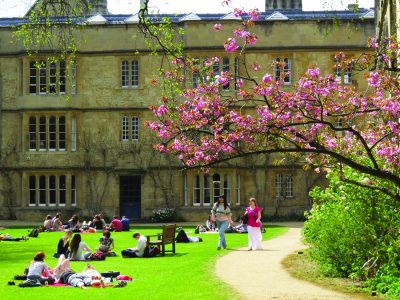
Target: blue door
{"type": "Point", "coordinates": [130, 196]}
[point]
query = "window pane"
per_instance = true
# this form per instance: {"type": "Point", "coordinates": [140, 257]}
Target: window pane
{"type": "Point", "coordinates": [278, 185]}
{"type": "Point", "coordinates": [53, 78]}
{"type": "Point", "coordinates": [216, 186]}
{"type": "Point", "coordinates": [238, 189]}
{"type": "Point", "coordinates": [135, 128]}
{"type": "Point", "coordinates": [287, 70]}
{"type": "Point", "coordinates": [207, 190]}
{"type": "Point", "coordinates": [135, 73]}
{"type": "Point", "coordinates": [42, 190]}
{"type": "Point", "coordinates": [62, 77]}
{"type": "Point", "coordinates": [216, 68]}
{"type": "Point", "coordinates": [225, 68]}
{"type": "Point", "coordinates": [125, 128]}
{"type": "Point", "coordinates": [42, 133]}
{"type": "Point", "coordinates": [52, 133]}
{"type": "Point", "coordinates": [52, 190]}
{"type": "Point", "coordinates": [196, 190]}
{"type": "Point", "coordinates": [42, 78]}
{"type": "Point", "coordinates": [227, 189]}
{"type": "Point", "coordinates": [32, 190]}
{"type": "Point", "coordinates": [73, 190]}
{"type": "Point", "coordinates": [125, 73]}
{"type": "Point", "coordinates": [61, 190]}
{"type": "Point", "coordinates": [277, 69]}
{"type": "Point", "coordinates": [61, 133]}
{"type": "Point", "coordinates": [32, 133]}
{"type": "Point", "coordinates": [32, 77]}
{"type": "Point", "coordinates": [73, 134]}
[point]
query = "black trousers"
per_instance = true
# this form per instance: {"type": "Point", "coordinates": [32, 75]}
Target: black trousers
{"type": "Point", "coordinates": [129, 253]}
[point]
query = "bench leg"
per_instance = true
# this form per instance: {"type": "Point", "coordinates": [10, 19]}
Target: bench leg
{"type": "Point", "coordinates": [173, 247]}
{"type": "Point", "coordinates": [163, 249]}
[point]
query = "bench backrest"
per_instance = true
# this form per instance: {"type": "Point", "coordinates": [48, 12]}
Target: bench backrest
{"type": "Point", "coordinates": [168, 234]}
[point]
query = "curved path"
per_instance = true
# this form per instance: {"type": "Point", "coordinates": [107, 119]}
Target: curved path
{"type": "Point", "coordinates": [268, 279]}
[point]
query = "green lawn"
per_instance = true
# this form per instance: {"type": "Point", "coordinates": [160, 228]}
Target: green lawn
{"type": "Point", "coordinates": [189, 274]}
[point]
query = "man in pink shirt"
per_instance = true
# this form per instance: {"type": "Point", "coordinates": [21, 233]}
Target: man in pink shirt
{"type": "Point", "coordinates": [116, 224]}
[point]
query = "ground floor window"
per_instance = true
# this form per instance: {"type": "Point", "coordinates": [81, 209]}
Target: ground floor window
{"type": "Point", "coordinates": [51, 190]}
{"type": "Point", "coordinates": [205, 189]}
{"type": "Point", "coordinates": [284, 185]}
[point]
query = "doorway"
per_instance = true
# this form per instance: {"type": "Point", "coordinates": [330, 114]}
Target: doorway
{"type": "Point", "coordinates": [130, 196]}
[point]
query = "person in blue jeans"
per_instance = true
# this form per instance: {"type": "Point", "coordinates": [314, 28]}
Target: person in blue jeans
{"type": "Point", "coordinates": [221, 214]}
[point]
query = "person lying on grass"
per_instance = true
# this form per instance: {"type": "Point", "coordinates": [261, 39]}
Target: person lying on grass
{"type": "Point", "coordinates": [37, 267]}
{"type": "Point", "coordinates": [140, 247]}
{"type": "Point", "coordinates": [88, 277]}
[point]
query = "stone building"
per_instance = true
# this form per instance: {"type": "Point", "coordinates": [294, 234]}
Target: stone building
{"type": "Point", "coordinates": [73, 138]}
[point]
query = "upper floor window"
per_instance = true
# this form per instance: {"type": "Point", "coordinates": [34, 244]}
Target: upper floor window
{"type": "Point", "coordinates": [342, 74]}
{"type": "Point", "coordinates": [130, 73]}
{"type": "Point", "coordinates": [47, 133]}
{"type": "Point", "coordinates": [46, 77]}
{"type": "Point", "coordinates": [283, 69]}
{"type": "Point", "coordinates": [51, 190]}
{"type": "Point", "coordinates": [284, 185]}
{"type": "Point", "coordinates": [130, 128]}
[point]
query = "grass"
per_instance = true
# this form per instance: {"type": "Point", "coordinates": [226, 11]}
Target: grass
{"type": "Point", "coordinates": [187, 275]}
{"type": "Point", "coordinates": [304, 268]}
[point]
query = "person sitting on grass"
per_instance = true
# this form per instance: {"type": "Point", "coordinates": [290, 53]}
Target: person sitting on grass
{"type": "Point", "coordinates": [47, 224]}
{"type": "Point", "coordinates": [37, 267]}
{"type": "Point", "coordinates": [125, 223]}
{"type": "Point", "coordinates": [79, 250]}
{"type": "Point", "coordinates": [106, 244]}
{"type": "Point", "coordinates": [63, 244]}
{"type": "Point", "coordinates": [140, 247]}
{"type": "Point", "coordinates": [116, 224]}
{"type": "Point", "coordinates": [74, 224]}
{"type": "Point", "coordinates": [57, 224]}
{"type": "Point", "coordinates": [97, 223]}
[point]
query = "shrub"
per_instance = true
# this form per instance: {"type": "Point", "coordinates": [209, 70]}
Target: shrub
{"type": "Point", "coordinates": [164, 215]}
{"type": "Point", "coordinates": [354, 232]}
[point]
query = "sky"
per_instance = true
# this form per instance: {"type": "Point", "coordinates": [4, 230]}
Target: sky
{"type": "Point", "coordinates": [17, 8]}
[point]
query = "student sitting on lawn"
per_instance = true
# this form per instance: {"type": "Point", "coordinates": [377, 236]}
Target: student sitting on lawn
{"type": "Point", "coordinates": [74, 224]}
{"type": "Point", "coordinates": [116, 224]}
{"type": "Point", "coordinates": [47, 226]}
{"type": "Point", "coordinates": [78, 250]}
{"type": "Point", "coordinates": [140, 247]}
{"type": "Point", "coordinates": [37, 267]}
{"type": "Point", "coordinates": [57, 224]}
{"type": "Point", "coordinates": [106, 244]}
{"type": "Point", "coordinates": [63, 244]}
{"type": "Point", "coordinates": [125, 223]}
{"type": "Point", "coordinates": [97, 223]}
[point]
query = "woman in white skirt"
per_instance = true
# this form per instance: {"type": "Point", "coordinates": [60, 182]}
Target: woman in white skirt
{"type": "Point", "coordinates": [253, 213]}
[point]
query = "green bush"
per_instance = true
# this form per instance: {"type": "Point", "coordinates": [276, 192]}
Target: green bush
{"type": "Point", "coordinates": [164, 215]}
{"type": "Point", "coordinates": [354, 232]}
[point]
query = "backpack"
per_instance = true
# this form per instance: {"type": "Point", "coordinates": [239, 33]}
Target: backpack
{"type": "Point", "coordinates": [151, 251]}
{"type": "Point", "coordinates": [34, 233]}
{"type": "Point", "coordinates": [181, 237]}
{"type": "Point", "coordinates": [97, 256]}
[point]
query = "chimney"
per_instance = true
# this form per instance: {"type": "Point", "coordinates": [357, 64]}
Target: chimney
{"type": "Point", "coordinates": [283, 5]}
{"type": "Point", "coordinates": [353, 7]}
{"type": "Point", "coordinates": [98, 7]}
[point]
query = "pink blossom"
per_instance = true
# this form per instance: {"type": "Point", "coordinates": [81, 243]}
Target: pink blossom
{"type": "Point", "coordinates": [230, 45]}
{"type": "Point", "coordinates": [238, 12]}
{"type": "Point", "coordinates": [267, 78]}
{"type": "Point", "coordinates": [314, 72]}
{"type": "Point", "coordinates": [217, 27]}
{"type": "Point", "coordinates": [254, 14]}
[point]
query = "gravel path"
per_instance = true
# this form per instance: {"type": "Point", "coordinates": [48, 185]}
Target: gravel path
{"type": "Point", "coordinates": [260, 275]}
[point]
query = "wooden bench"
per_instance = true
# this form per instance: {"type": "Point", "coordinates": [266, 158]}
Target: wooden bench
{"type": "Point", "coordinates": [166, 237]}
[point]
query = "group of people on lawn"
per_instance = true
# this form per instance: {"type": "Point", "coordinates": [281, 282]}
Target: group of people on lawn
{"type": "Point", "coordinates": [96, 224]}
{"type": "Point", "coordinates": [71, 247]}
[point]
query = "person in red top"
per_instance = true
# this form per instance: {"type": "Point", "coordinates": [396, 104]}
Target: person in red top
{"type": "Point", "coordinates": [253, 213]}
{"type": "Point", "coordinates": [116, 224]}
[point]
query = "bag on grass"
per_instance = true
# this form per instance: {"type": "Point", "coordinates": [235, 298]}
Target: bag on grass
{"type": "Point", "coordinates": [97, 256]}
{"type": "Point", "coordinates": [151, 251]}
{"type": "Point", "coordinates": [29, 283]}
{"type": "Point", "coordinates": [34, 233]}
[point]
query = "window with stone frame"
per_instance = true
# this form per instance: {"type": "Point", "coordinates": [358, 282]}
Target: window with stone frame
{"type": "Point", "coordinates": [130, 73]}
{"type": "Point", "coordinates": [283, 69]}
{"type": "Point", "coordinates": [343, 74]}
{"type": "Point", "coordinates": [47, 133]}
{"type": "Point", "coordinates": [130, 128]}
{"type": "Point", "coordinates": [206, 189]}
{"type": "Point", "coordinates": [47, 77]}
{"type": "Point", "coordinates": [51, 190]}
{"type": "Point", "coordinates": [284, 185]}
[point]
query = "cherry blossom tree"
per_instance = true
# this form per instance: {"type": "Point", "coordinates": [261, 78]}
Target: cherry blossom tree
{"type": "Point", "coordinates": [328, 124]}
